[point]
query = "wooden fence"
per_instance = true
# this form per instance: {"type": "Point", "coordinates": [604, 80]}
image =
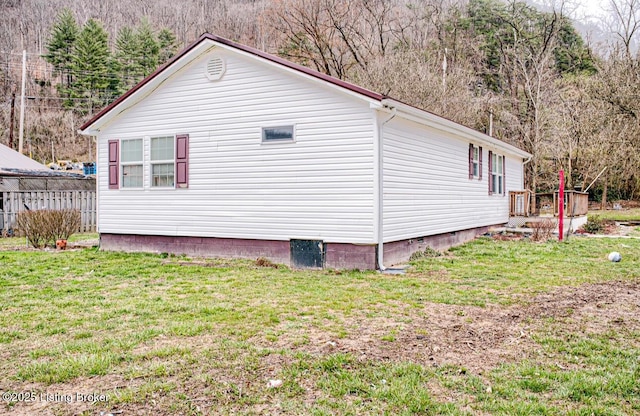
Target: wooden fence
{"type": "Point", "coordinates": [18, 201]}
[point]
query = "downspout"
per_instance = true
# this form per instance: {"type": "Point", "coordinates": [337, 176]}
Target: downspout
{"type": "Point", "coordinates": [381, 189]}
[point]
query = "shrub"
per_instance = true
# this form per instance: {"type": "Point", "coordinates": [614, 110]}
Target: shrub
{"type": "Point", "coordinates": [543, 230]}
{"type": "Point", "coordinates": [427, 253]}
{"type": "Point", "coordinates": [594, 224]}
{"type": "Point", "coordinates": [264, 262]}
{"type": "Point", "coordinates": [44, 226]}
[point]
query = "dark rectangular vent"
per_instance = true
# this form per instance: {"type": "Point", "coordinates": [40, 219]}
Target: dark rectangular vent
{"type": "Point", "coordinates": [307, 254]}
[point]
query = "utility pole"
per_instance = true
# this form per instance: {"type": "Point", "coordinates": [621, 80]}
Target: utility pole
{"type": "Point", "coordinates": [491, 122]}
{"type": "Point", "coordinates": [561, 206]}
{"type": "Point", "coordinates": [13, 108]}
{"type": "Point", "coordinates": [24, 78]}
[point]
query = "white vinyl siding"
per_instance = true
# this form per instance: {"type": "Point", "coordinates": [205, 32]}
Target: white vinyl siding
{"type": "Point", "coordinates": [319, 186]}
{"type": "Point", "coordinates": [427, 190]}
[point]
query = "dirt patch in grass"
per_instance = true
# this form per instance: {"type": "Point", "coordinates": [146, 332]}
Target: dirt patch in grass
{"type": "Point", "coordinates": [65, 398]}
{"type": "Point", "coordinates": [475, 339]}
{"type": "Point", "coordinates": [207, 372]}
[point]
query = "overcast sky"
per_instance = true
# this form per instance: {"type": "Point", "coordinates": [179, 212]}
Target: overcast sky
{"type": "Point", "coordinates": [590, 7]}
{"type": "Point", "coordinates": [589, 16]}
{"type": "Point", "coordinates": [578, 9]}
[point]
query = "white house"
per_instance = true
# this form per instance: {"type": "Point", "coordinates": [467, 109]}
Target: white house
{"type": "Point", "coordinates": [230, 151]}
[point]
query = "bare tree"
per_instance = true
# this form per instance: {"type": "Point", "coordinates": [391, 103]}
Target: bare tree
{"type": "Point", "coordinates": [624, 22]}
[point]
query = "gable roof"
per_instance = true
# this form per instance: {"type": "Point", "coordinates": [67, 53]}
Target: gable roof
{"type": "Point", "coordinates": [220, 40]}
{"type": "Point", "coordinates": [10, 159]}
{"type": "Point", "coordinates": [207, 41]}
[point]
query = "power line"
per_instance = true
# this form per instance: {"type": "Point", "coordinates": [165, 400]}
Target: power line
{"type": "Point", "coordinates": [20, 53]}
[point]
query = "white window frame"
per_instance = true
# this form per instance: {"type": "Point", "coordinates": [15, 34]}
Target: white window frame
{"type": "Point", "coordinates": [153, 162]}
{"type": "Point", "coordinates": [497, 174]}
{"type": "Point", "coordinates": [283, 140]}
{"type": "Point", "coordinates": [124, 164]}
{"type": "Point", "coordinates": [476, 161]}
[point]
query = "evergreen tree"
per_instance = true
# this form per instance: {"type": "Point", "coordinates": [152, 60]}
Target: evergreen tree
{"type": "Point", "coordinates": [93, 65]}
{"type": "Point", "coordinates": [572, 55]}
{"type": "Point", "coordinates": [127, 53]}
{"type": "Point", "coordinates": [149, 48]}
{"type": "Point", "coordinates": [168, 45]}
{"type": "Point", "coordinates": [61, 49]}
{"type": "Point", "coordinates": [497, 25]}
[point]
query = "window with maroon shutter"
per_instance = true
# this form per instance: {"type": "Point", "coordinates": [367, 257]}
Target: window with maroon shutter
{"type": "Point", "coordinates": [113, 164]}
{"type": "Point", "coordinates": [182, 161]}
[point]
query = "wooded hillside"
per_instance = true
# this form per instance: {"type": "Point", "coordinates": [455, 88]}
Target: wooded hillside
{"type": "Point", "coordinates": [527, 75]}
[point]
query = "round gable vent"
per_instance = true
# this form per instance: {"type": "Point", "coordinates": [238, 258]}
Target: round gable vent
{"type": "Point", "coordinates": [215, 68]}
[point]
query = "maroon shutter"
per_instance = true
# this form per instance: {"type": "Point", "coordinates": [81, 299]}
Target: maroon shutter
{"type": "Point", "coordinates": [470, 161]}
{"type": "Point", "coordinates": [490, 181]}
{"type": "Point", "coordinates": [114, 158]}
{"type": "Point", "coordinates": [480, 163]}
{"type": "Point", "coordinates": [504, 175]}
{"type": "Point", "coordinates": [182, 161]}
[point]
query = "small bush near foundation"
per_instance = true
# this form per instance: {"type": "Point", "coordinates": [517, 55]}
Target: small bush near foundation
{"type": "Point", "coordinates": [543, 230]}
{"type": "Point", "coordinates": [44, 226]}
{"type": "Point", "coordinates": [264, 262]}
{"type": "Point", "coordinates": [427, 253]}
{"type": "Point", "coordinates": [594, 225]}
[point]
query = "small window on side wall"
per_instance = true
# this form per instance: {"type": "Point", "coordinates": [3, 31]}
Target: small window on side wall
{"type": "Point", "coordinates": [277, 134]}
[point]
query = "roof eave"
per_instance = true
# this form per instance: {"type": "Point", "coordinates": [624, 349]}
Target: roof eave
{"type": "Point", "coordinates": [144, 87]}
{"type": "Point", "coordinates": [450, 126]}
{"type": "Point", "coordinates": [195, 49]}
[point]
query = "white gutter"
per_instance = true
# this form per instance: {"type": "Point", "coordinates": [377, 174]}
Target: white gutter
{"type": "Point", "coordinates": [434, 121]}
{"type": "Point", "coordinates": [380, 201]}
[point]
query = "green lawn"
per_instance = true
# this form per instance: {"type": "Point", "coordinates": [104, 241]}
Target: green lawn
{"type": "Point", "coordinates": [632, 214]}
{"type": "Point", "coordinates": [463, 333]}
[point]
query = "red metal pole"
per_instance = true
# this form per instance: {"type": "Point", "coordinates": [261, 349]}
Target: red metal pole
{"type": "Point", "coordinates": [561, 207]}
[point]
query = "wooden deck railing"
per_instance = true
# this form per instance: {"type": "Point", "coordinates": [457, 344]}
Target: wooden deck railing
{"type": "Point", "coordinates": [575, 203]}
{"type": "Point", "coordinates": [519, 203]}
